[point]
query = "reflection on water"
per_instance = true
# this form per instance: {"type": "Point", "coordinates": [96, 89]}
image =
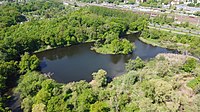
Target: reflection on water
{"type": "Point", "coordinates": [78, 62]}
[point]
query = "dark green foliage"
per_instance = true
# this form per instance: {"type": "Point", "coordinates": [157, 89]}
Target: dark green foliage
{"type": "Point", "coordinates": [163, 19]}
{"type": "Point", "coordinates": [87, 24]}
{"type": "Point", "coordinates": [42, 91]}
{"type": "Point", "coordinates": [197, 89]}
{"type": "Point", "coordinates": [51, 24]}
{"type": "Point", "coordinates": [154, 4]}
{"type": "Point", "coordinates": [197, 13]}
{"type": "Point", "coordinates": [148, 88]}
{"type": "Point", "coordinates": [139, 25]}
{"type": "Point", "coordinates": [195, 4]}
{"type": "Point", "coordinates": [8, 73]}
{"type": "Point", "coordinates": [30, 84]}
{"type": "Point", "coordinates": [153, 34]}
{"type": "Point", "coordinates": [113, 13]}
{"type": "Point", "coordinates": [28, 63]}
{"type": "Point", "coordinates": [12, 48]}
{"type": "Point", "coordinates": [10, 16]}
{"type": "Point", "coordinates": [191, 4]}
{"type": "Point", "coordinates": [8, 70]}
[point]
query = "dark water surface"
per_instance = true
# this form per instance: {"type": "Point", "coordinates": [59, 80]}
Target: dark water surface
{"type": "Point", "coordinates": [78, 62]}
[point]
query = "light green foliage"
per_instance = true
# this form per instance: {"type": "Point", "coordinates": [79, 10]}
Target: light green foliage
{"type": "Point", "coordinates": [170, 40]}
{"type": "Point", "coordinates": [42, 96]}
{"type": "Point", "coordinates": [100, 78]}
{"type": "Point", "coordinates": [130, 78]}
{"type": "Point", "coordinates": [39, 108]}
{"type": "Point", "coordinates": [99, 107]}
{"type": "Point", "coordinates": [132, 91]}
{"type": "Point", "coordinates": [194, 83]}
{"type": "Point", "coordinates": [132, 107]}
{"type": "Point", "coordinates": [56, 104]}
{"type": "Point", "coordinates": [116, 46]}
{"type": "Point", "coordinates": [30, 84]}
{"type": "Point", "coordinates": [155, 4]}
{"type": "Point", "coordinates": [28, 63]}
{"type": "Point", "coordinates": [26, 104]}
{"type": "Point", "coordinates": [162, 68]}
{"type": "Point", "coordinates": [139, 25]}
{"type": "Point", "coordinates": [158, 91]}
{"type": "Point", "coordinates": [163, 90]}
{"type": "Point", "coordinates": [197, 101]}
{"type": "Point", "coordinates": [85, 99]}
{"type": "Point", "coordinates": [123, 46]}
{"type": "Point", "coordinates": [136, 64]}
{"type": "Point", "coordinates": [189, 65]}
{"type": "Point", "coordinates": [49, 88]}
{"type": "Point", "coordinates": [163, 19]}
{"type": "Point", "coordinates": [146, 105]}
{"type": "Point", "coordinates": [110, 36]}
{"type": "Point", "coordinates": [127, 46]}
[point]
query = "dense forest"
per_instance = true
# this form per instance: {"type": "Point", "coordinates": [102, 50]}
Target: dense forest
{"type": "Point", "coordinates": [166, 83]}
{"type": "Point", "coordinates": [35, 26]}
{"type": "Point", "coordinates": [85, 25]}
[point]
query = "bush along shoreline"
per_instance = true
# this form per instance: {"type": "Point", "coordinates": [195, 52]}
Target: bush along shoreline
{"type": "Point", "coordinates": [169, 82]}
{"type": "Point", "coordinates": [183, 43]}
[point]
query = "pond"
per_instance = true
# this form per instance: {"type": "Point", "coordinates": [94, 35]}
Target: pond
{"type": "Point", "coordinates": [78, 62]}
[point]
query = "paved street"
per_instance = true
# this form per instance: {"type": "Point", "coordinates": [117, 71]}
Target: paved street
{"type": "Point", "coordinates": [147, 10]}
{"type": "Point", "coordinates": [176, 29]}
{"type": "Point", "coordinates": [179, 17]}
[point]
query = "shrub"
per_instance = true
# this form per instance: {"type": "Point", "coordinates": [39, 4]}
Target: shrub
{"type": "Point", "coordinates": [136, 64]}
{"type": "Point", "coordinates": [194, 83]}
{"type": "Point", "coordinates": [189, 65]}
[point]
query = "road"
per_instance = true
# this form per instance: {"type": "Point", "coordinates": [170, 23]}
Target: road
{"type": "Point", "coordinates": [180, 30]}
{"type": "Point", "coordinates": [173, 31]}
{"type": "Point", "coordinates": [150, 11]}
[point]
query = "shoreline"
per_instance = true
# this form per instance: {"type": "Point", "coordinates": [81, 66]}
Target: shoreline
{"type": "Point", "coordinates": [156, 44]}
{"type": "Point", "coordinates": [48, 47]}
{"type": "Point", "coordinates": [174, 46]}
{"type": "Point", "coordinates": [94, 49]}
